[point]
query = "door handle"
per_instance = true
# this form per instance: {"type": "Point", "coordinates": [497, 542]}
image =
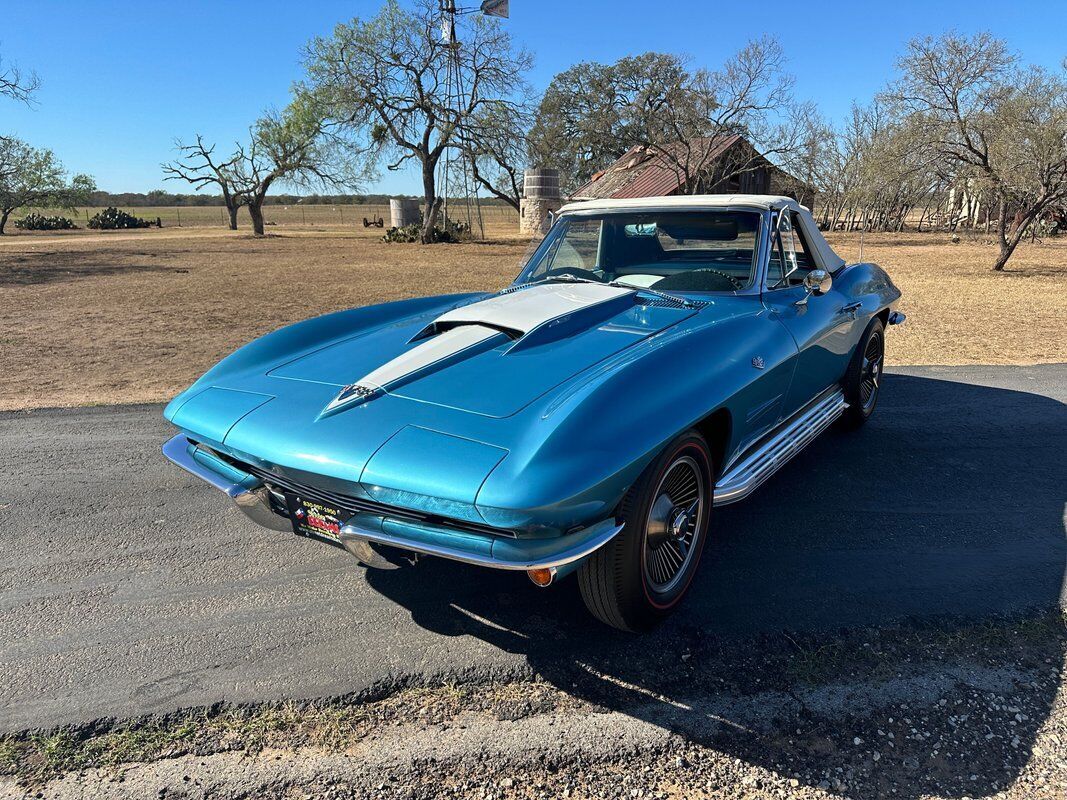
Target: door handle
{"type": "Point", "coordinates": [851, 308]}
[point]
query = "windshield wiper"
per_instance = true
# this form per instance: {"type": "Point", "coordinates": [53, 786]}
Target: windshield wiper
{"type": "Point", "coordinates": [686, 303]}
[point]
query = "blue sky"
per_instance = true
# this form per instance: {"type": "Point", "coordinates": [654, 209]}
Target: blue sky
{"type": "Point", "coordinates": [122, 80]}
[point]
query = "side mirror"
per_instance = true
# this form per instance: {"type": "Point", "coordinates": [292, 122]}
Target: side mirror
{"type": "Point", "coordinates": [816, 282]}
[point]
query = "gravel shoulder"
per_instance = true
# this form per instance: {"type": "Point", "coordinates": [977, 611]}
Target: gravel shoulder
{"type": "Point", "coordinates": [945, 710]}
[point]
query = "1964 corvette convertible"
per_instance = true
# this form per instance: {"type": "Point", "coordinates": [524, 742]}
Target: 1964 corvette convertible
{"type": "Point", "coordinates": [654, 359]}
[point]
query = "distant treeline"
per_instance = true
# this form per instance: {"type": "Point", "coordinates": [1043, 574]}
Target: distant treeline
{"type": "Point", "coordinates": [161, 198]}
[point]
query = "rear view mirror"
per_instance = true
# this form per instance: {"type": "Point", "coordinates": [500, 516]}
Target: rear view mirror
{"type": "Point", "coordinates": [816, 282]}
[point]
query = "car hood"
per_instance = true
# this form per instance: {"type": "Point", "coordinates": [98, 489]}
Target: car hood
{"type": "Point", "coordinates": [491, 357]}
{"type": "Point", "coordinates": [417, 410]}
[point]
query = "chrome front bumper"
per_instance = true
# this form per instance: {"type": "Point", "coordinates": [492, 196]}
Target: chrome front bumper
{"type": "Point", "coordinates": [364, 529]}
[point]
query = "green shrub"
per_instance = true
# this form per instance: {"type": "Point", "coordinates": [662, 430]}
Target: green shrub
{"type": "Point", "coordinates": [39, 222]}
{"type": "Point", "coordinates": [112, 218]}
{"type": "Point", "coordinates": [450, 233]}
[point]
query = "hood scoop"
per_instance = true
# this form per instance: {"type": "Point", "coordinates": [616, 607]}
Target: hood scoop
{"type": "Point", "coordinates": [527, 317]}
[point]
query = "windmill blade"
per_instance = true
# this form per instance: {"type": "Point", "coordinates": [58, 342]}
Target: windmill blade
{"type": "Point", "coordinates": [495, 8]}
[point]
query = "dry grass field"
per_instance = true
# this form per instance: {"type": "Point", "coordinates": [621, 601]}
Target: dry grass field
{"type": "Point", "coordinates": [134, 316]}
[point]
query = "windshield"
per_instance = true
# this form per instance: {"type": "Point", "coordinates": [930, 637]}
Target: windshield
{"type": "Point", "coordinates": [681, 251]}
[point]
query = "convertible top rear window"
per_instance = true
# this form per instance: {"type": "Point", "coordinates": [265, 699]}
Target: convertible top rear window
{"type": "Point", "coordinates": [684, 251]}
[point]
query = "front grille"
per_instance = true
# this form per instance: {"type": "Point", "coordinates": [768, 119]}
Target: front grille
{"type": "Point", "coordinates": [358, 504]}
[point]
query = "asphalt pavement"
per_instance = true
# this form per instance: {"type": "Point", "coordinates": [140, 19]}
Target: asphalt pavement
{"type": "Point", "coordinates": [128, 587]}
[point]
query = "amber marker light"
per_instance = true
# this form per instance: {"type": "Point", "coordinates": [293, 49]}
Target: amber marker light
{"type": "Point", "coordinates": [542, 577]}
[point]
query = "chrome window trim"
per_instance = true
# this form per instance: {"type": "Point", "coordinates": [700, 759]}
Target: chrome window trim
{"type": "Point", "coordinates": [797, 229]}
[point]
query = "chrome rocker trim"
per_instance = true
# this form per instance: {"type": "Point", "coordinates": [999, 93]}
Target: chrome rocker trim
{"type": "Point", "coordinates": [745, 476]}
{"type": "Point", "coordinates": [251, 496]}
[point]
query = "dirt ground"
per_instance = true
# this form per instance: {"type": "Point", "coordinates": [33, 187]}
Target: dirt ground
{"type": "Point", "coordinates": [135, 316]}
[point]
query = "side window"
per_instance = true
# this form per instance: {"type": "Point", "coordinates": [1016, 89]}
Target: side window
{"type": "Point", "coordinates": [804, 258]}
{"type": "Point", "coordinates": [782, 267]}
{"type": "Point", "coordinates": [775, 270]}
{"type": "Point", "coordinates": [790, 257]}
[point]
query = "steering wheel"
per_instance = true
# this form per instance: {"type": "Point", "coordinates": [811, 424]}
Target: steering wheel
{"type": "Point", "coordinates": [577, 272]}
{"type": "Point", "coordinates": [737, 283]}
{"type": "Point", "coordinates": [683, 281]}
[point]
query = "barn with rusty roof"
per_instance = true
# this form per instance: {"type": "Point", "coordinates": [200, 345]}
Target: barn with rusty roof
{"type": "Point", "coordinates": [716, 165]}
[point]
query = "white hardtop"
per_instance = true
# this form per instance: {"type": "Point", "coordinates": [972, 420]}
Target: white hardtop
{"type": "Point", "coordinates": [823, 253]}
{"type": "Point", "coordinates": [763, 202]}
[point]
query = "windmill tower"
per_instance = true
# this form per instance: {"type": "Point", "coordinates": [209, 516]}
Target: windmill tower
{"type": "Point", "coordinates": [455, 171]}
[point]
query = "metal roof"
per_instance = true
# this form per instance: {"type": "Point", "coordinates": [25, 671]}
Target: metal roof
{"type": "Point", "coordinates": [639, 173]}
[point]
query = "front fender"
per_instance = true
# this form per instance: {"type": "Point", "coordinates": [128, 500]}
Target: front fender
{"type": "Point", "coordinates": [593, 438]}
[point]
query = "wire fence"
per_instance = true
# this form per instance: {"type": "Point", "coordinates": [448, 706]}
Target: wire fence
{"type": "Point", "coordinates": [498, 219]}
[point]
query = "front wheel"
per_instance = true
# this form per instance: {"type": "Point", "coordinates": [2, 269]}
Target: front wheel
{"type": "Point", "coordinates": [640, 576]}
{"type": "Point", "coordinates": [863, 379]}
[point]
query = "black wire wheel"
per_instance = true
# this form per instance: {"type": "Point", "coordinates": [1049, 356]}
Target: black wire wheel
{"type": "Point", "coordinates": [638, 578]}
{"type": "Point", "coordinates": [863, 380]}
{"type": "Point", "coordinates": [673, 525]}
{"type": "Point", "coordinates": [871, 369]}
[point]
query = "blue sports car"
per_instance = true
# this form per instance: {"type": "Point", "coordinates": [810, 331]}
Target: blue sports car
{"type": "Point", "coordinates": [654, 359]}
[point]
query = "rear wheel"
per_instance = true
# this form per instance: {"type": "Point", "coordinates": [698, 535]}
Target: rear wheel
{"type": "Point", "coordinates": [864, 377]}
{"type": "Point", "coordinates": [640, 577]}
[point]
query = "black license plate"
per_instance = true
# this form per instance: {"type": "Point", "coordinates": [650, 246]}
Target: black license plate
{"type": "Point", "coordinates": [315, 519]}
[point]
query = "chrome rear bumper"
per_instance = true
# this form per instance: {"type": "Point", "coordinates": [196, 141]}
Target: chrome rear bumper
{"type": "Point", "coordinates": [365, 529]}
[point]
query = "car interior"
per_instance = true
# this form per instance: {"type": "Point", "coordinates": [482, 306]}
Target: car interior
{"type": "Point", "coordinates": [699, 251]}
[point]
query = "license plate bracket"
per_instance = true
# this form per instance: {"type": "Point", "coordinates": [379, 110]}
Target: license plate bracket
{"type": "Point", "coordinates": [314, 519]}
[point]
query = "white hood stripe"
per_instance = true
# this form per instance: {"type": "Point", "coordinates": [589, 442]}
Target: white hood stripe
{"type": "Point", "coordinates": [445, 345]}
{"type": "Point", "coordinates": [469, 326]}
{"type": "Point", "coordinates": [528, 308]}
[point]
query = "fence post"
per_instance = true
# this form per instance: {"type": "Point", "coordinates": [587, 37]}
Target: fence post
{"type": "Point", "coordinates": [179, 217]}
{"type": "Point", "coordinates": [303, 219]}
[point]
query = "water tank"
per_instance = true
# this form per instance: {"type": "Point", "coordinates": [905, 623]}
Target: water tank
{"type": "Point", "coordinates": [540, 200]}
{"type": "Point", "coordinates": [541, 183]}
{"type": "Point", "coordinates": [404, 211]}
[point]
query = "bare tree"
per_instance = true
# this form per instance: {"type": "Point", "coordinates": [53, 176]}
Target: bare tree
{"type": "Point", "coordinates": [402, 90]}
{"type": "Point", "coordinates": [493, 147]}
{"type": "Point", "coordinates": [16, 84]}
{"type": "Point", "coordinates": [37, 178]}
{"type": "Point", "coordinates": [750, 96]}
{"type": "Point", "coordinates": [294, 147]}
{"type": "Point", "coordinates": [1003, 126]}
{"type": "Point", "coordinates": [198, 166]}
{"type": "Point", "coordinates": [874, 172]}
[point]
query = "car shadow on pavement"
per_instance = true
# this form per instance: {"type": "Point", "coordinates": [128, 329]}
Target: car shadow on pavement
{"type": "Point", "coordinates": [882, 557]}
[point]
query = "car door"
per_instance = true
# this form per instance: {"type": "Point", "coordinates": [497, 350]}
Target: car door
{"type": "Point", "coordinates": [821, 325]}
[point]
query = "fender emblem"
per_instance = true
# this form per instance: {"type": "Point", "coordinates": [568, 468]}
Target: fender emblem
{"type": "Point", "coordinates": [757, 362]}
